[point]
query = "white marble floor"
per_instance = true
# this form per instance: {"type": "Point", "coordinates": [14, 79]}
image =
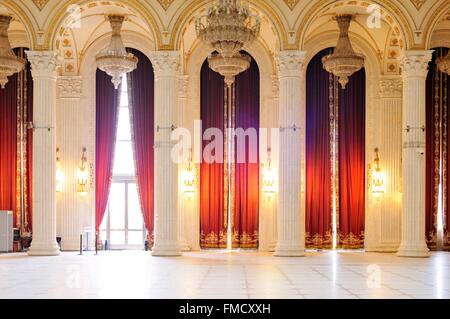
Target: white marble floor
{"type": "Point", "coordinates": [211, 275]}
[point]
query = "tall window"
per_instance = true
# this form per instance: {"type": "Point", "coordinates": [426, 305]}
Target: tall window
{"type": "Point", "coordinates": [123, 225]}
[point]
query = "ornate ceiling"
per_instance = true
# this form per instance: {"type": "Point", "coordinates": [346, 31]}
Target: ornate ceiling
{"type": "Point", "coordinates": [290, 21]}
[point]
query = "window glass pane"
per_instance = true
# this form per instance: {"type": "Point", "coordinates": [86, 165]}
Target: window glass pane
{"type": "Point", "coordinates": [117, 238]}
{"type": "Point", "coordinates": [135, 238]}
{"type": "Point", "coordinates": [123, 125]}
{"type": "Point", "coordinates": [117, 205]}
{"type": "Point", "coordinates": [103, 236]}
{"type": "Point", "coordinates": [135, 219]}
{"type": "Point", "coordinates": [123, 160]}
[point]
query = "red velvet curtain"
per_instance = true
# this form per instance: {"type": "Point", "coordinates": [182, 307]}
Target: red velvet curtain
{"type": "Point", "coordinates": [351, 140]}
{"type": "Point", "coordinates": [107, 110]}
{"type": "Point", "coordinates": [141, 90]}
{"type": "Point", "coordinates": [8, 145]}
{"type": "Point", "coordinates": [319, 210]}
{"type": "Point", "coordinates": [246, 208]}
{"type": "Point", "coordinates": [213, 220]}
{"type": "Point", "coordinates": [13, 118]}
{"type": "Point", "coordinates": [437, 149]}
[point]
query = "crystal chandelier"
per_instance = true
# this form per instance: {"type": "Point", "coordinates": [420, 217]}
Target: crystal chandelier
{"type": "Point", "coordinates": [444, 63]}
{"type": "Point", "coordinates": [228, 26]}
{"type": "Point", "coordinates": [9, 62]}
{"type": "Point", "coordinates": [344, 62]}
{"type": "Point", "coordinates": [115, 61]}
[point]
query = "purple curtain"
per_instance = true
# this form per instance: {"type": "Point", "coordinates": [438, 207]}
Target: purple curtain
{"type": "Point", "coordinates": [107, 111]}
{"type": "Point", "coordinates": [437, 148]}
{"type": "Point", "coordinates": [319, 211]}
{"type": "Point", "coordinates": [141, 90]}
{"type": "Point", "coordinates": [213, 219]}
{"type": "Point", "coordinates": [246, 209]}
{"type": "Point", "coordinates": [351, 121]}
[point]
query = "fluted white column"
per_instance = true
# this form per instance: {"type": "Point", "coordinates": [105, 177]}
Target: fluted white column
{"type": "Point", "coordinates": [43, 67]}
{"type": "Point", "coordinates": [166, 65]}
{"type": "Point", "coordinates": [414, 70]}
{"type": "Point", "coordinates": [291, 222]}
{"type": "Point", "coordinates": [184, 208]}
{"type": "Point", "coordinates": [70, 118]}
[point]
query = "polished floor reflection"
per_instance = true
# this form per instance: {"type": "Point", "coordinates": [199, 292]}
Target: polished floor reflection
{"type": "Point", "coordinates": [136, 274]}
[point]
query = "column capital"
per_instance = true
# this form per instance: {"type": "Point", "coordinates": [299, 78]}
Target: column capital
{"type": "Point", "coordinates": [43, 63]}
{"type": "Point", "coordinates": [165, 63]}
{"type": "Point", "coordinates": [391, 87]}
{"type": "Point", "coordinates": [415, 63]}
{"type": "Point", "coordinates": [291, 63]}
{"type": "Point", "coordinates": [69, 87]}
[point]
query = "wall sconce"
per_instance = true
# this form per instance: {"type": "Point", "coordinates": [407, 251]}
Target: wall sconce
{"type": "Point", "coordinates": [376, 177]}
{"type": "Point", "coordinates": [189, 179]}
{"type": "Point", "coordinates": [269, 187]}
{"type": "Point", "coordinates": [83, 175]}
{"type": "Point", "coordinates": [59, 173]}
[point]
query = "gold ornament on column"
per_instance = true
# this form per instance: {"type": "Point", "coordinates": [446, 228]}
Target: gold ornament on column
{"type": "Point", "coordinates": [83, 175]}
{"type": "Point", "coordinates": [115, 61]}
{"type": "Point", "coordinates": [9, 62]}
{"type": "Point", "coordinates": [344, 61]}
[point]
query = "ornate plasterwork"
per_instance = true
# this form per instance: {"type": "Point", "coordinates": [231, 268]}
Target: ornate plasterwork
{"type": "Point", "coordinates": [69, 86]}
{"type": "Point", "coordinates": [40, 3]}
{"type": "Point", "coordinates": [418, 3]}
{"type": "Point", "coordinates": [291, 3]}
{"type": "Point", "coordinates": [165, 3]}
{"type": "Point", "coordinates": [291, 63]}
{"type": "Point", "coordinates": [165, 63]}
{"type": "Point", "coordinates": [415, 63]}
{"type": "Point", "coordinates": [391, 88]}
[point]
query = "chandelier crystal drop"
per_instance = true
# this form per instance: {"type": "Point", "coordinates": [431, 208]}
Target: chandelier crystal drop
{"type": "Point", "coordinates": [444, 63]}
{"type": "Point", "coordinates": [344, 61]}
{"type": "Point", "coordinates": [228, 26]}
{"type": "Point", "coordinates": [9, 63]}
{"type": "Point", "coordinates": [115, 61]}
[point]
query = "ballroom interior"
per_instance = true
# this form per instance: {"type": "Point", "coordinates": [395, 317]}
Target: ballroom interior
{"type": "Point", "coordinates": [198, 149]}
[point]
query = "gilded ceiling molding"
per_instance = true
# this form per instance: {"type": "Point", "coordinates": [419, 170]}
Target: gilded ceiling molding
{"type": "Point", "coordinates": [40, 3]}
{"type": "Point", "coordinates": [165, 3]}
{"type": "Point", "coordinates": [195, 5]}
{"type": "Point", "coordinates": [291, 3]}
{"type": "Point", "coordinates": [63, 12]}
{"type": "Point", "coordinates": [388, 6]}
{"type": "Point", "coordinates": [433, 20]}
{"type": "Point", "coordinates": [21, 16]}
{"type": "Point", "coordinates": [418, 3]}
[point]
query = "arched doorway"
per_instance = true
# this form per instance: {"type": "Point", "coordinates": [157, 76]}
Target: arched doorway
{"type": "Point", "coordinates": [229, 191]}
{"type": "Point", "coordinates": [335, 158]}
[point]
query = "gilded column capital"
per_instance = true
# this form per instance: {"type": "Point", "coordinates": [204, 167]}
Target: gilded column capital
{"type": "Point", "coordinates": [415, 63]}
{"type": "Point", "coordinates": [165, 63]}
{"type": "Point", "coordinates": [43, 63]}
{"type": "Point", "coordinates": [291, 63]}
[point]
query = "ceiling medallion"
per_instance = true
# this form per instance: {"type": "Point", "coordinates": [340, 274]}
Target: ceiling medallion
{"type": "Point", "coordinates": [9, 62]}
{"type": "Point", "coordinates": [228, 26]}
{"type": "Point", "coordinates": [291, 3]}
{"type": "Point", "coordinates": [40, 3]}
{"type": "Point", "coordinates": [115, 61]}
{"type": "Point", "coordinates": [344, 61]}
{"type": "Point", "coordinates": [444, 63]}
{"type": "Point", "coordinates": [165, 3]}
